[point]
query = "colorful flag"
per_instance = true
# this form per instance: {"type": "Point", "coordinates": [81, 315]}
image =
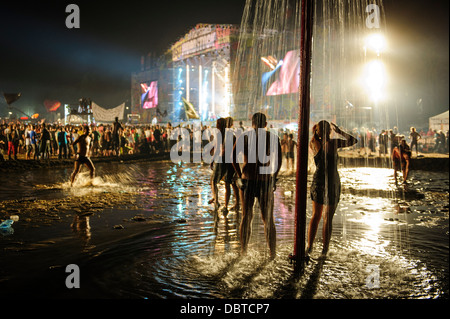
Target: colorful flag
{"type": "Point", "coordinates": [10, 98]}
{"type": "Point", "coordinates": [51, 106]}
{"type": "Point", "coordinates": [190, 111]}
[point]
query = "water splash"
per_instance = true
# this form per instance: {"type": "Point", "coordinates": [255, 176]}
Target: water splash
{"type": "Point", "coordinates": [112, 180]}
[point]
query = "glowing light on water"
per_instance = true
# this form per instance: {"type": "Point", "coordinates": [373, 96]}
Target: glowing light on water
{"type": "Point", "coordinates": [364, 178]}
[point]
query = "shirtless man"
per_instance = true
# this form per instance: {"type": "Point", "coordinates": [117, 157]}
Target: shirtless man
{"type": "Point", "coordinates": [254, 182]}
{"type": "Point", "coordinates": [82, 156]}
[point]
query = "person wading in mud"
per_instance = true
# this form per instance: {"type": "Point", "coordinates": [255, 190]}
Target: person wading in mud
{"type": "Point", "coordinates": [255, 180]}
{"type": "Point", "coordinates": [84, 143]}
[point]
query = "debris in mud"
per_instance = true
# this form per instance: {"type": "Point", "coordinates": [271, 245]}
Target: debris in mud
{"type": "Point", "coordinates": [44, 211]}
{"type": "Point", "coordinates": [138, 218]}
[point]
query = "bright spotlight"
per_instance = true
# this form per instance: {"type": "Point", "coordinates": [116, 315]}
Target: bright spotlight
{"type": "Point", "coordinates": [375, 80]}
{"type": "Point", "coordinates": [376, 42]}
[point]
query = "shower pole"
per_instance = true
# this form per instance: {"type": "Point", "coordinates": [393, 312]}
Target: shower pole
{"type": "Point", "coordinates": [307, 19]}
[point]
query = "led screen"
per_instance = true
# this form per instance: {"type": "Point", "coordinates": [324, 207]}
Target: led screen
{"type": "Point", "coordinates": [284, 75]}
{"type": "Point", "coordinates": [149, 95]}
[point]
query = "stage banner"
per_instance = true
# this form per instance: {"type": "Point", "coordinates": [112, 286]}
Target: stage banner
{"type": "Point", "coordinates": [108, 115]}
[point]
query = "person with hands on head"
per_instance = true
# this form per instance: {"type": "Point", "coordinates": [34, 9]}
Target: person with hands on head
{"type": "Point", "coordinates": [326, 184]}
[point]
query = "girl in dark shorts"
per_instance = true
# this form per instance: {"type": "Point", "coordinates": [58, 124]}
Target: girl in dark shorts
{"type": "Point", "coordinates": [326, 184]}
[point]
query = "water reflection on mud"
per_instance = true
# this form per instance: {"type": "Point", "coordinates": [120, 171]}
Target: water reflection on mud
{"type": "Point", "coordinates": [146, 230]}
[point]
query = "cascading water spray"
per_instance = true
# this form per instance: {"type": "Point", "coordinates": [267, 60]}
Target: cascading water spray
{"type": "Point", "coordinates": [347, 71]}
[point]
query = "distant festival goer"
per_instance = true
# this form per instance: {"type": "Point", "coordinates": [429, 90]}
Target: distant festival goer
{"type": "Point", "coordinates": [230, 173]}
{"type": "Point", "coordinates": [45, 142]}
{"type": "Point", "coordinates": [254, 184]}
{"type": "Point", "coordinates": [284, 147]}
{"type": "Point", "coordinates": [115, 136]}
{"type": "Point", "coordinates": [218, 166]}
{"type": "Point", "coordinates": [383, 141]}
{"type": "Point", "coordinates": [84, 144]}
{"type": "Point", "coordinates": [291, 151]}
{"type": "Point", "coordinates": [13, 138]}
{"type": "Point", "coordinates": [34, 142]}
{"type": "Point", "coordinates": [62, 141]}
{"type": "Point", "coordinates": [96, 141]}
{"type": "Point", "coordinates": [400, 160]}
{"type": "Point", "coordinates": [27, 142]}
{"type": "Point", "coordinates": [393, 140]}
{"type": "Point", "coordinates": [415, 137]}
{"type": "Point", "coordinates": [326, 184]}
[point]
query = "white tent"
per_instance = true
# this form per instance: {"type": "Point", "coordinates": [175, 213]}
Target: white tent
{"type": "Point", "coordinates": [439, 122]}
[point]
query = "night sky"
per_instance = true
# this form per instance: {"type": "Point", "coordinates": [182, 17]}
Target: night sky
{"type": "Point", "coordinates": [42, 59]}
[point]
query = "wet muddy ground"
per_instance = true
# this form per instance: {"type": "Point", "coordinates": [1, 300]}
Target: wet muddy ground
{"type": "Point", "coordinates": [146, 230]}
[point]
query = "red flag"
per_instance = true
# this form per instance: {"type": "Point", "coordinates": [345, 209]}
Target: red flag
{"type": "Point", "coordinates": [52, 106]}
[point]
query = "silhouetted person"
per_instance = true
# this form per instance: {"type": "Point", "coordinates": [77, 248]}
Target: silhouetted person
{"type": "Point", "coordinates": [84, 144]}
{"type": "Point", "coordinates": [415, 137]}
{"type": "Point", "coordinates": [45, 142]}
{"type": "Point", "coordinates": [383, 141]}
{"type": "Point", "coordinates": [218, 166]}
{"type": "Point", "coordinates": [326, 183]}
{"type": "Point", "coordinates": [115, 136]}
{"type": "Point", "coordinates": [401, 156]}
{"type": "Point", "coordinates": [257, 180]}
{"type": "Point", "coordinates": [291, 144]}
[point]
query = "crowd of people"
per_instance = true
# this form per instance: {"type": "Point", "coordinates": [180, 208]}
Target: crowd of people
{"type": "Point", "coordinates": [372, 143]}
{"type": "Point", "coordinates": [42, 141]}
{"type": "Point", "coordinates": [45, 141]}
{"type": "Point", "coordinates": [250, 183]}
